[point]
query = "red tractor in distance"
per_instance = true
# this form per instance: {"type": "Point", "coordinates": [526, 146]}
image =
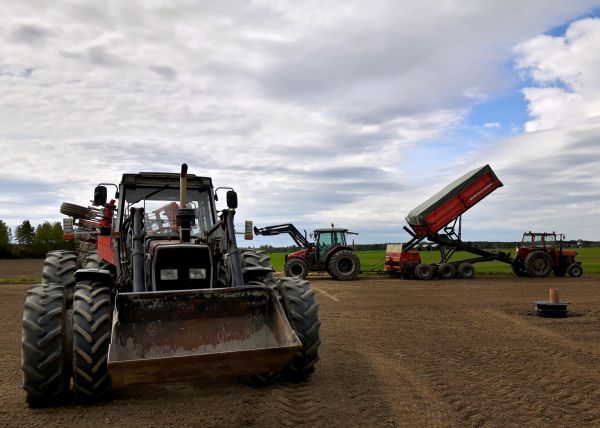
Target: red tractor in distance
{"type": "Point", "coordinates": [541, 253]}
{"type": "Point", "coordinates": [329, 252]}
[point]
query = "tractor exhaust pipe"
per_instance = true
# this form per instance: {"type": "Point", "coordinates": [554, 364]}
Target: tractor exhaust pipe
{"type": "Point", "coordinates": [186, 217]}
{"type": "Point", "coordinates": [138, 250]}
{"type": "Point", "coordinates": [183, 186]}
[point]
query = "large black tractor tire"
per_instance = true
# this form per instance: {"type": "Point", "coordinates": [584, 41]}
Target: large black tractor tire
{"type": "Point", "coordinates": [59, 268]}
{"type": "Point", "coordinates": [94, 261]}
{"type": "Point", "coordinates": [446, 271]}
{"type": "Point", "coordinates": [575, 270]}
{"type": "Point", "coordinates": [91, 337]}
{"type": "Point", "coordinates": [466, 270]}
{"type": "Point", "coordinates": [75, 211]}
{"type": "Point", "coordinates": [303, 314]}
{"type": "Point", "coordinates": [423, 271]}
{"type": "Point", "coordinates": [538, 264]}
{"type": "Point", "coordinates": [344, 265]}
{"type": "Point", "coordinates": [258, 259]}
{"type": "Point", "coordinates": [296, 268]}
{"type": "Point", "coordinates": [46, 346]}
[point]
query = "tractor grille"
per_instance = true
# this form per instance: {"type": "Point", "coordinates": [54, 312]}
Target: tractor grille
{"type": "Point", "coordinates": [181, 267]}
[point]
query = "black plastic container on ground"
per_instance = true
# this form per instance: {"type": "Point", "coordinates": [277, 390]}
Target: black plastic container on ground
{"type": "Point", "coordinates": [547, 309]}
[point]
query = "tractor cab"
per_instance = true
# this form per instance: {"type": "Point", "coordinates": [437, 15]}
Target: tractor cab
{"type": "Point", "coordinates": [326, 239]}
{"type": "Point", "coordinates": [547, 241]}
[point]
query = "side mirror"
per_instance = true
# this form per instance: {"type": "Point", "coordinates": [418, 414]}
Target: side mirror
{"type": "Point", "coordinates": [100, 196]}
{"type": "Point", "coordinates": [232, 201]}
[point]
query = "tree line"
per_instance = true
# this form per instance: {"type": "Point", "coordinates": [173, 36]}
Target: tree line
{"type": "Point", "coordinates": [26, 241]}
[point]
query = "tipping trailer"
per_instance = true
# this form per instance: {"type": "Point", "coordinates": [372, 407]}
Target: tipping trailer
{"type": "Point", "coordinates": [438, 220]}
{"type": "Point", "coordinates": [177, 300]}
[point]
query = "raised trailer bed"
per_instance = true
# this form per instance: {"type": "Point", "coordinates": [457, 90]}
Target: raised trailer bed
{"type": "Point", "coordinates": [438, 220]}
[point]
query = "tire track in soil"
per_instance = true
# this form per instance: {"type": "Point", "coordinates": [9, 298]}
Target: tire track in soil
{"type": "Point", "coordinates": [395, 374]}
{"type": "Point", "coordinates": [544, 385]}
{"type": "Point", "coordinates": [540, 332]}
{"type": "Point", "coordinates": [295, 405]}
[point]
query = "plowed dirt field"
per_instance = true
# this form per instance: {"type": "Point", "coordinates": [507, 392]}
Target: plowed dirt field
{"type": "Point", "coordinates": [394, 353]}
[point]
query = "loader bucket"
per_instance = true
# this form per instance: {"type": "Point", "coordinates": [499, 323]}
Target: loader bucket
{"type": "Point", "coordinates": [175, 335]}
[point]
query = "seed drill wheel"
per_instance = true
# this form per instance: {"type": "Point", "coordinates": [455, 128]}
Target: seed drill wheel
{"type": "Point", "coordinates": [92, 311]}
{"type": "Point", "coordinates": [45, 345]}
{"type": "Point", "coordinates": [424, 271]}
{"type": "Point", "coordinates": [59, 268]}
{"type": "Point", "coordinates": [344, 265]}
{"type": "Point", "coordinates": [575, 270]}
{"type": "Point", "coordinates": [303, 314]}
{"type": "Point", "coordinates": [446, 271]}
{"type": "Point", "coordinates": [296, 268]}
{"type": "Point", "coordinates": [538, 264]}
{"type": "Point", "coordinates": [466, 270]}
{"type": "Point", "coordinates": [75, 211]}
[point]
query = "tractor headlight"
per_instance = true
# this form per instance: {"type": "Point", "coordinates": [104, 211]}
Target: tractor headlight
{"type": "Point", "coordinates": [197, 273]}
{"type": "Point", "coordinates": [168, 274]}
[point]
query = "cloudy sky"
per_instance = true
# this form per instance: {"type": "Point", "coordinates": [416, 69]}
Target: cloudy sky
{"type": "Point", "coordinates": [351, 112]}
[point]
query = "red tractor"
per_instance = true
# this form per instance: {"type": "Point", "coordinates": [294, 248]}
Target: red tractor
{"type": "Point", "coordinates": [542, 253]}
{"type": "Point", "coordinates": [329, 252]}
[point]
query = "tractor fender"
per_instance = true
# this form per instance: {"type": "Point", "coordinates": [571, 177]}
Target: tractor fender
{"type": "Point", "coordinates": [93, 275]}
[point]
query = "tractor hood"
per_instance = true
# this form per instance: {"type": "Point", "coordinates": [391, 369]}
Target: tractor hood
{"type": "Point", "coordinates": [300, 253]}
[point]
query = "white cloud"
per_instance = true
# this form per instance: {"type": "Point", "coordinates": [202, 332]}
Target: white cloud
{"type": "Point", "coordinates": [567, 72]}
{"type": "Point", "coordinates": [312, 111]}
{"type": "Point", "coordinates": [492, 125]}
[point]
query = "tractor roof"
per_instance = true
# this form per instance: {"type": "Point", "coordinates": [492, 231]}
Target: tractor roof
{"type": "Point", "coordinates": [152, 179]}
{"type": "Point", "coordinates": [335, 229]}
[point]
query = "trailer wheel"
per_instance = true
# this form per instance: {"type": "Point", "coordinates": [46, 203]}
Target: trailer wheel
{"type": "Point", "coordinates": [75, 211]}
{"type": "Point", "coordinates": [91, 337]}
{"type": "Point", "coordinates": [538, 264]}
{"type": "Point", "coordinates": [575, 270]}
{"type": "Point", "coordinates": [303, 314]}
{"type": "Point", "coordinates": [296, 268]}
{"type": "Point", "coordinates": [59, 268]}
{"type": "Point", "coordinates": [257, 259]}
{"type": "Point", "coordinates": [45, 344]}
{"type": "Point", "coordinates": [424, 271]}
{"type": "Point", "coordinates": [446, 271]}
{"type": "Point", "coordinates": [466, 270]}
{"type": "Point", "coordinates": [344, 265]}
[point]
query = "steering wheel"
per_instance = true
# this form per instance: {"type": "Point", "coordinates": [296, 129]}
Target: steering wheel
{"type": "Point", "coordinates": [165, 231]}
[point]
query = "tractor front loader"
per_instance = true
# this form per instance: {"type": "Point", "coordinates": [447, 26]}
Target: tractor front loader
{"type": "Point", "coordinates": [179, 301]}
{"type": "Point", "coordinates": [329, 252]}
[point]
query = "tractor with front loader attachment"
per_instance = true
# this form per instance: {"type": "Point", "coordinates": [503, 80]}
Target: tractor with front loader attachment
{"type": "Point", "coordinates": [329, 252]}
{"type": "Point", "coordinates": [170, 298]}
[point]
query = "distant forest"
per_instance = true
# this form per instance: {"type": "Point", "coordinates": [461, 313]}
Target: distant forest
{"type": "Point", "coordinates": [26, 241]}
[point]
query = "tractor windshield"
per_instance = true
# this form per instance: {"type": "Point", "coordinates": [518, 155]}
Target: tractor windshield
{"type": "Point", "coordinates": [330, 239]}
{"type": "Point", "coordinates": [160, 208]}
{"type": "Point", "coordinates": [539, 240]}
